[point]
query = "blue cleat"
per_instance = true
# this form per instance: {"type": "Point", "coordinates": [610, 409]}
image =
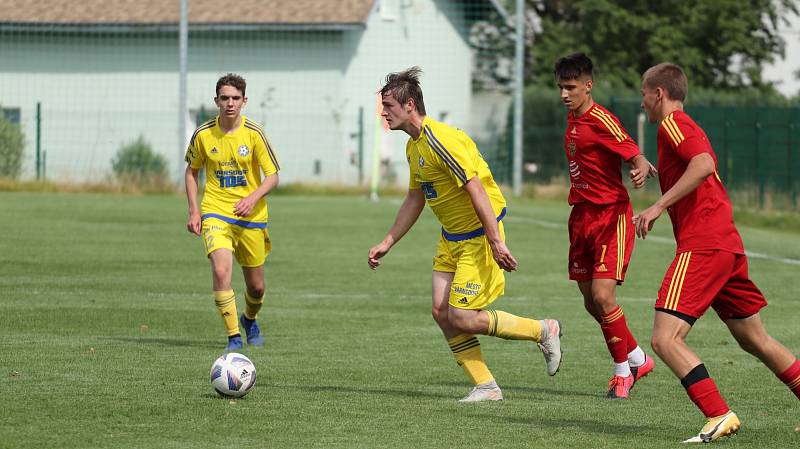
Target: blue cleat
{"type": "Point", "coordinates": [234, 343]}
{"type": "Point", "coordinates": [252, 330]}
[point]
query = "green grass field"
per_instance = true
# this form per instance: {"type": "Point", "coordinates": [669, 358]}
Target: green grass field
{"type": "Point", "coordinates": [108, 330]}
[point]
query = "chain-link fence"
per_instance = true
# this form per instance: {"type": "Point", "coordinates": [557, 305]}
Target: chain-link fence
{"type": "Point", "coordinates": [82, 82]}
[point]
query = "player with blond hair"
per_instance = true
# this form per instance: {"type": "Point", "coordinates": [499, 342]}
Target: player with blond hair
{"type": "Point", "coordinates": [448, 172]}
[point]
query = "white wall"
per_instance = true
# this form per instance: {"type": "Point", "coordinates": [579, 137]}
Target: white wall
{"type": "Point", "coordinates": [101, 91]}
{"type": "Point", "coordinates": [783, 70]}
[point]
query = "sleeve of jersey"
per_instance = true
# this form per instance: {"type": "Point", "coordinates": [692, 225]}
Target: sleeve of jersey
{"type": "Point", "coordinates": [612, 136]}
{"type": "Point", "coordinates": [683, 139]}
{"type": "Point", "coordinates": [264, 154]}
{"type": "Point", "coordinates": [194, 157]}
{"type": "Point", "coordinates": [456, 157]}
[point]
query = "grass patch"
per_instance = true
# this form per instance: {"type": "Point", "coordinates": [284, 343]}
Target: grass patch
{"type": "Point", "coordinates": [108, 331]}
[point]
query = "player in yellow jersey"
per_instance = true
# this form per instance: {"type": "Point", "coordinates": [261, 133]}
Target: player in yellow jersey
{"type": "Point", "coordinates": [448, 172]}
{"type": "Point", "coordinates": [232, 218]}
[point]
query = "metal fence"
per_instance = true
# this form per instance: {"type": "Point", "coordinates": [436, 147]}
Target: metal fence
{"type": "Point", "coordinates": [83, 82]}
{"type": "Point", "coordinates": [758, 149]}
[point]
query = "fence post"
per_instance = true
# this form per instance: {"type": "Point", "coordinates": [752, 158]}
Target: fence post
{"type": "Point", "coordinates": [39, 140]}
{"type": "Point", "coordinates": [519, 95]}
{"type": "Point", "coordinates": [789, 171]}
{"type": "Point", "coordinates": [360, 145]}
{"type": "Point", "coordinates": [759, 178]}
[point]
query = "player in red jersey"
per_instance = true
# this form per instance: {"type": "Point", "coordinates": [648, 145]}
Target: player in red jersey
{"type": "Point", "coordinates": [710, 266]}
{"type": "Point", "coordinates": [600, 225]}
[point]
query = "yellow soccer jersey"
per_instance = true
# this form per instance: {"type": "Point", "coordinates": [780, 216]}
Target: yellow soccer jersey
{"type": "Point", "coordinates": [232, 163]}
{"type": "Point", "coordinates": [441, 161]}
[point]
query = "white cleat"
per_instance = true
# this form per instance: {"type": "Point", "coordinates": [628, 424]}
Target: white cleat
{"type": "Point", "coordinates": [484, 392]}
{"type": "Point", "coordinates": [551, 345]}
{"type": "Point", "coordinates": [721, 426]}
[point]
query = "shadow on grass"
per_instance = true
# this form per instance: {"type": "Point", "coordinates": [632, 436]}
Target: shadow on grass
{"type": "Point", "coordinates": [404, 392]}
{"type": "Point", "coordinates": [166, 341]}
{"type": "Point", "coordinates": [599, 425]}
{"type": "Point", "coordinates": [535, 390]}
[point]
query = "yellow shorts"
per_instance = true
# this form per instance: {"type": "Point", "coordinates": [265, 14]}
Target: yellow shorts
{"type": "Point", "coordinates": [478, 280]}
{"type": "Point", "coordinates": [250, 245]}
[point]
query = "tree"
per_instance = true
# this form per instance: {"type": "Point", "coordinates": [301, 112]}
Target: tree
{"type": "Point", "coordinates": [720, 43]}
{"type": "Point", "coordinates": [137, 162]}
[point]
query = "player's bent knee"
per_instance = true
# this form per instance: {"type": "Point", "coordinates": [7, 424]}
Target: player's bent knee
{"type": "Point", "coordinates": [605, 302]}
{"type": "Point", "coordinates": [439, 315]}
{"type": "Point", "coordinates": [461, 323]}
{"type": "Point", "coordinates": [659, 344]}
{"type": "Point", "coordinates": [255, 292]}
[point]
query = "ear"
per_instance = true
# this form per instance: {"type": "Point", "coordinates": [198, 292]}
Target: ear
{"type": "Point", "coordinates": [410, 105]}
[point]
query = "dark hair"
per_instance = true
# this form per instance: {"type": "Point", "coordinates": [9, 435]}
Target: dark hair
{"type": "Point", "coordinates": [405, 85]}
{"type": "Point", "coordinates": [573, 66]}
{"type": "Point", "coordinates": [232, 80]}
{"type": "Point", "coordinates": [669, 77]}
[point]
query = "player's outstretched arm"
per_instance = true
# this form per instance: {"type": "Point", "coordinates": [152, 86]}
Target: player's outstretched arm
{"type": "Point", "coordinates": [483, 208]}
{"type": "Point", "coordinates": [700, 167]}
{"type": "Point", "coordinates": [190, 178]}
{"type": "Point", "coordinates": [245, 206]}
{"type": "Point", "coordinates": [406, 217]}
{"type": "Point", "coordinates": [641, 169]}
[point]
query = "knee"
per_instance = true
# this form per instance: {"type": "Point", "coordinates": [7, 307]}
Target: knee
{"type": "Point", "coordinates": [256, 292]}
{"type": "Point", "coordinates": [460, 323]}
{"type": "Point", "coordinates": [439, 315]}
{"type": "Point", "coordinates": [752, 345]}
{"type": "Point", "coordinates": [221, 273]}
{"type": "Point", "coordinates": [659, 344]}
{"type": "Point", "coordinates": [604, 301]}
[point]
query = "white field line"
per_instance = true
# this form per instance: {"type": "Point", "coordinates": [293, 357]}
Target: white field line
{"type": "Point", "coordinates": [655, 238]}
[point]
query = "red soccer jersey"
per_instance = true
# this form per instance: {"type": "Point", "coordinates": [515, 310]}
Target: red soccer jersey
{"type": "Point", "coordinates": [703, 219]}
{"type": "Point", "coordinates": [596, 144]}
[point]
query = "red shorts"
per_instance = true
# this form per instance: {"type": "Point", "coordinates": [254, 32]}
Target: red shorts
{"type": "Point", "coordinates": [601, 241]}
{"type": "Point", "coordinates": [698, 279]}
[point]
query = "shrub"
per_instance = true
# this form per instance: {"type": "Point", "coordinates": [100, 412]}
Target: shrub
{"type": "Point", "coordinates": [137, 162]}
{"type": "Point", "coordinates": [12, 145]}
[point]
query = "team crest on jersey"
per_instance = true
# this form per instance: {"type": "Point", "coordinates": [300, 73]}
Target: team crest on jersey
{"type": "Point", "coordinates": [214, 150]}
{"type": "Point", "coordinates": [244, 151]}
{"type": "Point", "coordinates": [572, 147]}
{"type": "Point", "coordinates": [421, 162]}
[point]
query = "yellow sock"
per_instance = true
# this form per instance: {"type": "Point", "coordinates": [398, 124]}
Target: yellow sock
{"type": "Point", "coordinates": [512, 327]}
{"type": "Point", "coordinates": [252, 306]}
{"type": "Point", "coordinates": [226, 305]}
{"type": "Point", "coordinates": [467, 350]}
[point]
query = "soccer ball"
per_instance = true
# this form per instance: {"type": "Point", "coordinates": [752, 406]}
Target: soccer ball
{"type": "Point", "coordinates": [233, 375]}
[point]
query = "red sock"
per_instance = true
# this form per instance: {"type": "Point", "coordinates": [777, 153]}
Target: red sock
{"type": "Point", "coordinates": [615, 331]}
{"type": "Point", "coordinates": [704, 393]}
{"type": "Point", "coordinates": [706, 397]}
{"type": "Point", "coordinates": [791, 377]}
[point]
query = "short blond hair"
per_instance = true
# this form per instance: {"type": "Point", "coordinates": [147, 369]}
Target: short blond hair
{"type": "Point", "coordinates": [669, 77]}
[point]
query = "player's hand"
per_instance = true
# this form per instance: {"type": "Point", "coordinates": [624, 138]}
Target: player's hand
{"type": "Point", "coordinates": [245, 206]}
{"type": "Point", "coordinates": [644, 221]}
{"type": "Point", "coordinates": [193, 223]}
{"type": "Point", "coordinates": [639, 175]}
{"type": "Point", "coordinates": [376, 252]}
{"type": "Point", "coordinates": [502, 255]}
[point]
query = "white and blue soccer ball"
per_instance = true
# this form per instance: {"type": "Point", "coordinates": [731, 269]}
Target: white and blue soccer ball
{"type": "Point", "coordinates": [233, 375]}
